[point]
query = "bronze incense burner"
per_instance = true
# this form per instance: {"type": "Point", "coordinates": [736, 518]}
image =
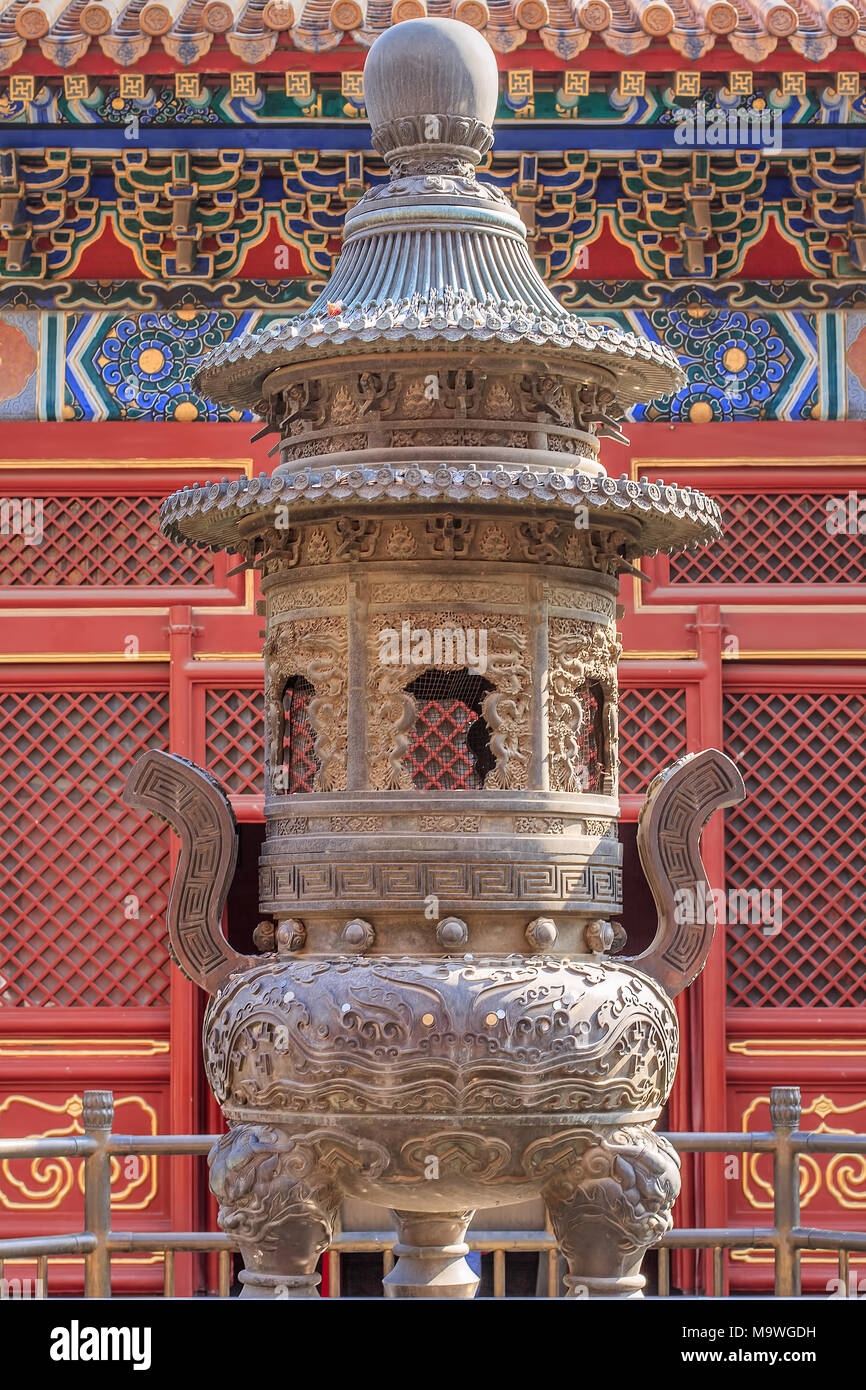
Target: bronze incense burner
{"type": "Point", "coordinates": [440, 1018]}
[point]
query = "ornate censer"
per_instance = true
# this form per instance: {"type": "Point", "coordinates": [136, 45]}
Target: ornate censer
{"type": "Point", "coordinates": [439, 1020]}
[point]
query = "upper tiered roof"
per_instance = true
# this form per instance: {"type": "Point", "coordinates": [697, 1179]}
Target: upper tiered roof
{"type": "Point", "coordinates": [435, 256]}
{"type": "Point", "coordinates": [252, 29]}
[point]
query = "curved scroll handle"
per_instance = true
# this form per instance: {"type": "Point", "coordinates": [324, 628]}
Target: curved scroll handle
{"type": "Point", "coordinates": [678, 805]}
{"type": "Point", "coordinates": [197, 808]}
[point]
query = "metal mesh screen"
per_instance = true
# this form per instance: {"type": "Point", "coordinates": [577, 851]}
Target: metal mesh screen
{"type": "Point", "coordinates": [450, 741]}
{"type": "Point", "coordinates": [591, 746]}
{"type": "Point", "coordinates": [299, 756]}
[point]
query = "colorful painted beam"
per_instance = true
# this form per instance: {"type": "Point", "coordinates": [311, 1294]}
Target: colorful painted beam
{"type": "Point", "coordinates": [206, 215]}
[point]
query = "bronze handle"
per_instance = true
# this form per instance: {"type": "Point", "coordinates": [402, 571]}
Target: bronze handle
{"type": "Point", "coordinates": [198, 810]}
{"type": "Point", "coordinates": [678, 805]}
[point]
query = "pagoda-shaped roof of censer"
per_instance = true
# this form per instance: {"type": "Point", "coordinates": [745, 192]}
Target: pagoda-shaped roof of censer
{"type": "Point", "coordinates": [435, 269]}
{"type": "Point", "coordinates": [435, 254]}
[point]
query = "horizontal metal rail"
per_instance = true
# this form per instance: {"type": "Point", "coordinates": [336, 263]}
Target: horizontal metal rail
{"type": "Point", "coordinates": [785, 1238]}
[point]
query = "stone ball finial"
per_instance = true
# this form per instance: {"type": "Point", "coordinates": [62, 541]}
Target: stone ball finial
{"type": "Point", "coordinates": [431, 84]}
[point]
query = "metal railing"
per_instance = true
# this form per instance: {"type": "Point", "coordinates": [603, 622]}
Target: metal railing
{"type": "Point", "coordinates": [786, 1238]}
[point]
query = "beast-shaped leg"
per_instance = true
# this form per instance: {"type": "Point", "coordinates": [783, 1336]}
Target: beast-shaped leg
{"type": "Point", "coordinates": [279, 1204]}
{"type": "Point", "coordinates": [610, 1206]}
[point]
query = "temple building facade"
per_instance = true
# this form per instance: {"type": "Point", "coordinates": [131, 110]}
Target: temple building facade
{"type": "Point", "coordinates": [174, 176]}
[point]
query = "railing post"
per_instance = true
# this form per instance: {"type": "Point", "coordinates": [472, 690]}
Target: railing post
{"type": "Point", "coordinates": [785, 1111]}
{"type": "Point", "coordinates": [97, 1118]}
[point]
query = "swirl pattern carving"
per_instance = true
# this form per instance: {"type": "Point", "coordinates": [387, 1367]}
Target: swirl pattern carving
{"type": "Point", "coordinates": [545, 1035]}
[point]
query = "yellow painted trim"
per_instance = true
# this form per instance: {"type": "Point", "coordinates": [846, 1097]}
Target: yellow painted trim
{"type": "Point", "coordinates": [815, 1178]}
{"type": "Point", "coordinates": [80, 1047]}
{"type": "Point", "coordinates": [799, 654]}
{"type": "Point", "coordinates": [154, 465]}
{"type": "Point", "coordinates": [227, 656]}
{"type": "Point", "coordinates": [799, 1047]}
{"type": "Point", "coordinates": [248, 604]}
{"type": "Point", "coordinates": [792, 608]}
{"type": "Point", "coordinates": [79, 1260]}
{"type": "Point", "coordinates": [86, 612]}
{"type": "Point", "coordinates": [62, 1171]}
{"type": "Point", "coordinates": [751, 1255]}
{"type": "Point", "coordinates": [659, 656]}
{"type": "Point", "coordinates": [79, 658]}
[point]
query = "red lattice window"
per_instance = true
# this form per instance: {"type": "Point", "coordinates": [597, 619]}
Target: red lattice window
{"type": "Point", "coordinates": [652, 734]}
{"type": "Point", "coordinates": [234, 739]}
{"type": "Point", "coordinates": [774, 538]}
{"type": "Point", "coordinates": [800, 832]}
{"type": "Point", "coordinates": [88, 878]}
{"type": "Point", "coordinates": [100, 540]}
{"type": "Point", "coordinates": [450, 741]}
{"type": "Point", "coordinates": [298, 756]}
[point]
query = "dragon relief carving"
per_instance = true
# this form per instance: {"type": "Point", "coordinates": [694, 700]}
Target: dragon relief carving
{"type": "Point", "coordinates": [316, 649]}
{"type": "Point", "coordinates": [581, 652]}
{"type": "Point", "coordinates": [392, 711]}
{"type": "Point", "coordinates": [539, 1034]}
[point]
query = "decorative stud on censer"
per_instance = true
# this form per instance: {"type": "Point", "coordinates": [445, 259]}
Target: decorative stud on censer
{"type": "Point", "coordinates": [439, 548]}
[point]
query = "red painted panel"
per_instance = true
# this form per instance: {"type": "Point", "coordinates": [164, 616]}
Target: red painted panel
{"type": "Point", "coordinates": [832, 1187]}
{"type": "Point", "coordinates": [45, 1197]}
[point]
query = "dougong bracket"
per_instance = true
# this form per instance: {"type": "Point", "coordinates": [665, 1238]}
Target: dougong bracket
{"type": "Point", "coordinates": [196, 807]}
{"type": "Point", "coordinates": [678, 805]}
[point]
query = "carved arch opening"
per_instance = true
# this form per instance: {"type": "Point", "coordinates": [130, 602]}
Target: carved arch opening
{"type": "Point", "coordinates": [506, 694]}
{"type": "Point", "coordinates": [306, 704]}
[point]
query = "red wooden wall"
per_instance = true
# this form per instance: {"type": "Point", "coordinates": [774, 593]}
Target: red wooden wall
{"type": "Point", "coordinates": [114, 641]}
